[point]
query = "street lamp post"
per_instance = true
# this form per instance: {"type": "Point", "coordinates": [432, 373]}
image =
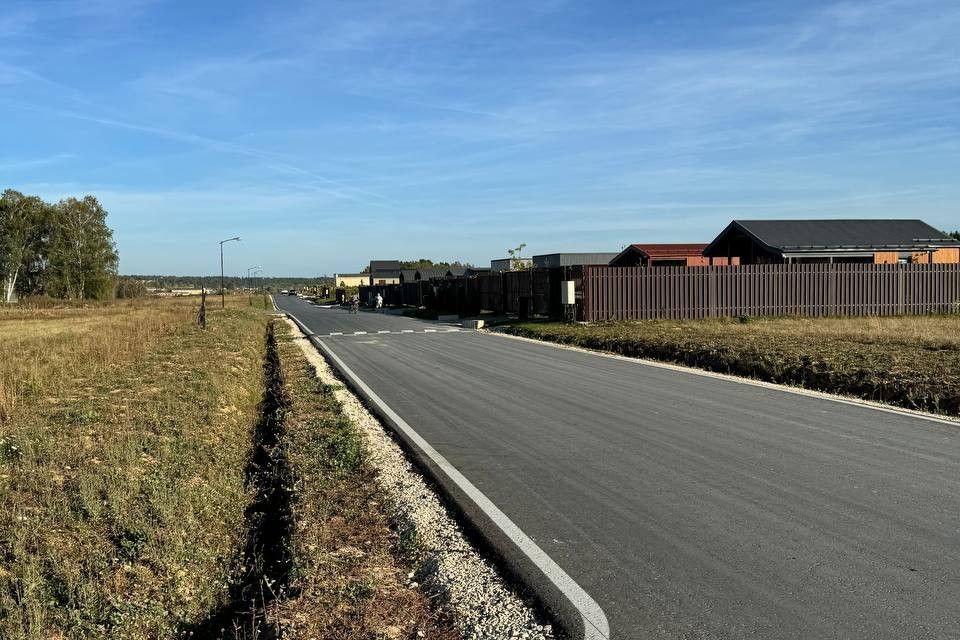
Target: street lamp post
{"type": "Point", "coordinates": [250, 271]}
{"type": "Point", "coordinates": [223, 304]}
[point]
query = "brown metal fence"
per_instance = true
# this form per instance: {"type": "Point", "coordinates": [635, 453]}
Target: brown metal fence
{"type": "Point", "coordinates": [636, 293]}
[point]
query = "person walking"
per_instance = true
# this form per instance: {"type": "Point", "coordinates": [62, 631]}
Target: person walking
{"type": "Point", "coordinates": [379, 302]}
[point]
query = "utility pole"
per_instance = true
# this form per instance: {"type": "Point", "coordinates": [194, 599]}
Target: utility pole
{"type": "Point", "coordinates": [223, 304]}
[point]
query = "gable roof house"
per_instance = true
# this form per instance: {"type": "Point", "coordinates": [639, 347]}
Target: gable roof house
{"type": "Point", "coordinates": [665, 255]}
{"type": "Point", "coordinates": [848, 241]}
{"type": "Point", "coordinates": [431, 273]}
{"type": "Point", "coordinates": [571, 259]}
{"type": "Point", "coordinates": [385, 272]}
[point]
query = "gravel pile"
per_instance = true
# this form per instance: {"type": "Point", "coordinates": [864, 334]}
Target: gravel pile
{"type": "Point", "coordinates": [466, 586]}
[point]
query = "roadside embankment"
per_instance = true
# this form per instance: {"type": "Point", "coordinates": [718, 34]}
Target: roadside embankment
{"type": "Point", "coordinates": [348, 574]}
{"type": "Point", "coordinates": [440, 561]}
{"type": "Point", "coordinates": [912, 362]}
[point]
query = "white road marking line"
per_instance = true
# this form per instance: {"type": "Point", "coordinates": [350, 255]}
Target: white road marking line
{"type": "Point", "coordinates": [406, 331]}
{"type": "Point", "coordinates": [429, 330]}
{"type": "Point", "coordinates": [359, 333]}
{"type": "Point", "coordinates": [383, 331]}
{"type": "Point", "coordinates": [593, 619]}
{"type": "Point", "coordinates": [452, 330]}
{"type": "Point", "coordinates": [337, 333]}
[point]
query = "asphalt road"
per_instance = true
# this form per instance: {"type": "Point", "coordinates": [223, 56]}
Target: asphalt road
{"type": "Point", "coordinates": [686, 506]}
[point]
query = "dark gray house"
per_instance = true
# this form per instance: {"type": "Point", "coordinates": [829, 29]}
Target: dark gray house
{"type": "Point", "coordinates": [571, 259]}
{"type": "Point", "coordinates": [385, 272]}
{"type": "Point", "coordinates": [431, 273]}
{"type": "Point", "coordinates": [843, 241]}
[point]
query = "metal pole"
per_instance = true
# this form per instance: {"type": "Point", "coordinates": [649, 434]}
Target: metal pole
{"type": "Point", "coordinates": [223, 304]}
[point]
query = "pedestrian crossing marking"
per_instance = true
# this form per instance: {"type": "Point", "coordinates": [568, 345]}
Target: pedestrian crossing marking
{"type": "Point", "coordinates": [389, 332]}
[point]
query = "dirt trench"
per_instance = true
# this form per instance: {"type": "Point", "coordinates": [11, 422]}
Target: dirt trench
{"type": "Point", "coordinates": [263, 569]}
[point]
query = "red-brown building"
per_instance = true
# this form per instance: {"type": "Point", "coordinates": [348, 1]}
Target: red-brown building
{"type": "Point", "coordinates": [665, 255]}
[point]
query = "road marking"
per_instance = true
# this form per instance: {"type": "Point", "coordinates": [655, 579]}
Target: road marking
{"type": "Point", "coordinates": [389, 332]}
{"type": "Point", "coordinates": [592, 618]}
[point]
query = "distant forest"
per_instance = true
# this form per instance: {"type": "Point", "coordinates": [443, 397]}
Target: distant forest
{"type": "Point", "coordinates": [424, 263]}
{"type": "Point", "coordinates": [229, 282]}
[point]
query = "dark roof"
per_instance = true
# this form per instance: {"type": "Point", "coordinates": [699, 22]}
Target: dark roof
{"type": "Point", "coordinates": [662, 251]}
{"type": "Point", "coordinates": [570, 259]}
{"type": "Point", "coordinates": [408, 275]}
{"type": "Point", "coordinates": [385, 265]}
{"type": "Point", "coordinates": [808, 235]}
{"type": "Point", "coordinates": [456, 271]}
{"type": "Point", "coordinates": [426, 274]}
{"type": "Point", "coordinates": [472, 271]}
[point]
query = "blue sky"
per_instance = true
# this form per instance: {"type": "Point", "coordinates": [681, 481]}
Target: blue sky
{"type": "Point", "coordinates": [328, 133]}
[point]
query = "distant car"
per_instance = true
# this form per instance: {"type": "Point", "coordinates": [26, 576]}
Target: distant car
{"type": "Point", "coordinates": [292, 292]}
{"type": "Point", "coordinates": [284, 291]}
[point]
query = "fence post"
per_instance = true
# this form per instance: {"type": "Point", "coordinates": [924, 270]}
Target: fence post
{"type": "Point", "coordinates": [901, 289]}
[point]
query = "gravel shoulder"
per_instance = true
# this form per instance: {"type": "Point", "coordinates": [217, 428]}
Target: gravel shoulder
{"type": "Point", "coordinates": [448, 569]}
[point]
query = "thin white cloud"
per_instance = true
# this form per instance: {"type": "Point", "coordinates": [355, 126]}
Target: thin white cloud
{"type": "Point", "coordinates": [327, 185]}
{"type": "Point", "coordinates": [16, 165]}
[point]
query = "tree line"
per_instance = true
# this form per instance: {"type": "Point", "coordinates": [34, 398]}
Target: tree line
{"type": "Point", "coordinates": [425, 263]}
{"type": "Point", "coordinates": [62, 250]}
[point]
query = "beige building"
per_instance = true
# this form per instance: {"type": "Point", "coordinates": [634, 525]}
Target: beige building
{"type": "Point", "coordinates": [351, 279]}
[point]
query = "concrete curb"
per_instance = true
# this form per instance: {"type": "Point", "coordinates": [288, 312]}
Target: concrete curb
{"type": "Point", "coordinates": [579, 616]}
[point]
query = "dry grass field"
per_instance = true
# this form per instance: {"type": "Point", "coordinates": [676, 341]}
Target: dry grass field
{"type": "Point", "coordinates": [911, 361]}
{"type": "Point", "coordinates": [162, 481]}
{"type": "Point", "coordinates": [124, 430]}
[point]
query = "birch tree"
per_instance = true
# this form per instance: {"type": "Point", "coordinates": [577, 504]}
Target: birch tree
{"type": "Point", "coordinates": [82, 257]}
{"type": "Point", "coordinates": [20, 220]}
